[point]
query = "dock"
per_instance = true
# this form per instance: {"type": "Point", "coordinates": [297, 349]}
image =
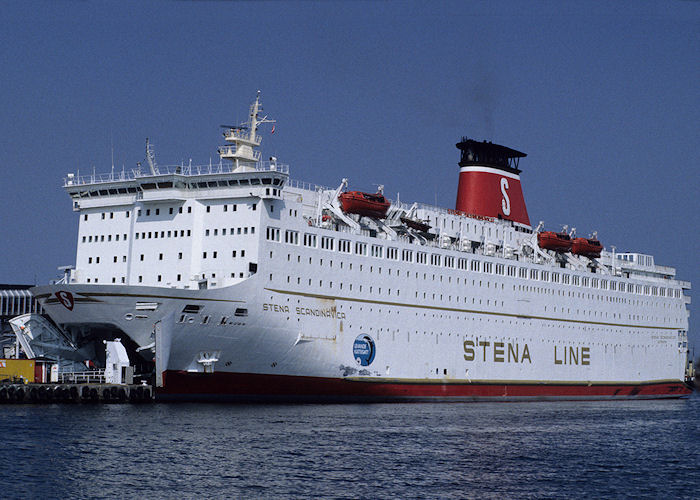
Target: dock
{"type": "Point", "coordinates": [80, 393]}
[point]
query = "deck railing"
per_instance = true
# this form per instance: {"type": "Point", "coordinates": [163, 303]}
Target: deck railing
{"type": "Point", "coordinates": [160, 171]}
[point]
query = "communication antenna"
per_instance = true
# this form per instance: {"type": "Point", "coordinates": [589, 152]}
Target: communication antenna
{"type": "Point", "coordinates": [150, 157]}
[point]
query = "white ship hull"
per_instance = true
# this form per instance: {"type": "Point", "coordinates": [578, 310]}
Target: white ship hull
{"type": "Point", "coordinates": [299, 345]}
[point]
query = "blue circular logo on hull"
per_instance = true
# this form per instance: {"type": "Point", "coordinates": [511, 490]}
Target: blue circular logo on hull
{"type": "Point", "coordinates": [364, 350]}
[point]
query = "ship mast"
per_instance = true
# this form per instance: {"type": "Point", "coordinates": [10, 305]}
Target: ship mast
{"type": "Point", "coordinates": [243, 139]}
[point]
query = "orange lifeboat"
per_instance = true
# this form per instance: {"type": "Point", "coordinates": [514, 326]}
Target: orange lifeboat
{"type": "Point", "coordinates": [587, 247]}
{"type": "Point", "coordinates": [367, 204]}
{"type": "Point", "coordinates": [559, 242]}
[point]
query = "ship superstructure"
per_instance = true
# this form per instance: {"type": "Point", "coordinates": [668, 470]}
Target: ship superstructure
{"type": "Point", "coordinates": [232, 280]}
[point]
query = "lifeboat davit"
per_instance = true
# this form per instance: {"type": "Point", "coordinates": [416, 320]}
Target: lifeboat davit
{"type": "Point", "coordinates": [367, 204]}
{"type": "Point", "coordinates": [559, 242]}
{"type": "Point", "coordinates": [587, 247]}
{"type": "Point", "coordinates": [416, 224]}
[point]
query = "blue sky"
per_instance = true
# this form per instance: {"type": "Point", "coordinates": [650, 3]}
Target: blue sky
{"type": "Point", "coordinates": [602, 96]}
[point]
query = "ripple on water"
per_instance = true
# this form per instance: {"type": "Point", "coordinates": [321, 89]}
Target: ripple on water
{"type": "Point", "coordinates": [643, 449]}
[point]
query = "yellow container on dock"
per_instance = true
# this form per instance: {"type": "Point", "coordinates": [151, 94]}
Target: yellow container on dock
{"type": "Point", "coordinates": [16, 369]}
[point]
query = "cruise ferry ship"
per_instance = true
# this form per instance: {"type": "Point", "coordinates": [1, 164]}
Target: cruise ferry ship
{"type": "Point", "coordinates": [232, 281]}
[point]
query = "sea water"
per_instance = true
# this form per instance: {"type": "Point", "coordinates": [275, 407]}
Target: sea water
{"type": "Point", "coordinates": [595, 449]}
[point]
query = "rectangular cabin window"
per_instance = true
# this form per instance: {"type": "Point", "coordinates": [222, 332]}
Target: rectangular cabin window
{"type": "Point", "coordinates": [327, 243]}
{"type": "Point", "coordinates": [309, 240]}
{"type": "Point", "coordinates": [392, 253]}
{"type": "Point", "coordinates": [377, 251]}
{"type": "Point", "coordinates": [344, 246]}
{"type": "Point", "coordinates": [273, 233]}
{"type": "Point", "coordinates": [291, 237]}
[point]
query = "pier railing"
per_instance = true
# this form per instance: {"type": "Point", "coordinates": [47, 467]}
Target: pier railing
{"type": "Point", "coordinates": [89, 377]}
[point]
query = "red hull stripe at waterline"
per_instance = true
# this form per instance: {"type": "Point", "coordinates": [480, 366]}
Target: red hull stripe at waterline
{"type": "Point", "coordinates": [245, 386]}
